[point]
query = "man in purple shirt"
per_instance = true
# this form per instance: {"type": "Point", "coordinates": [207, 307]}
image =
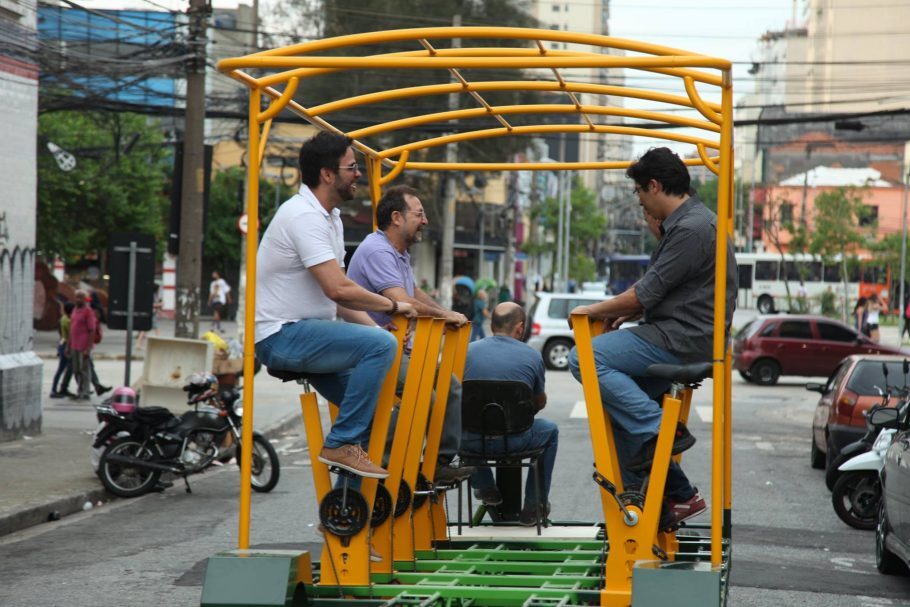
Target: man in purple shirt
{"type": "Point", "coordinates": [381, 264]}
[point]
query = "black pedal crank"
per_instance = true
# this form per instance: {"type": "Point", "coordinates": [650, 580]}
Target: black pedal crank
{"type": "Point", "coordinates": [609, 487]}
{"type": "Point", "coordinates": [343, 512]}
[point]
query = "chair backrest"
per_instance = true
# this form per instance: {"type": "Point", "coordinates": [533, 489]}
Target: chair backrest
{"type": "Point", "coordinates": [496, 408]}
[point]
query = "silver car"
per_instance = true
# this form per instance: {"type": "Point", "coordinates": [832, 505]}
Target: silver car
{"type": "Point", "coordinates": [549, 330]}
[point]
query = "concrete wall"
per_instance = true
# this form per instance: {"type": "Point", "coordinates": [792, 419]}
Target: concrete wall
{"type": "Point", "coordinates": [20, 368]}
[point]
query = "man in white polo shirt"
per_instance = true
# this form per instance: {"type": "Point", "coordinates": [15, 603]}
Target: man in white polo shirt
{"type": "Point", "coordinates": [300, 289]}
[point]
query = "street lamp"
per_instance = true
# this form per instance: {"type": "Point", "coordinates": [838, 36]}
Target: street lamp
{"type": "Point", "coordinates": [65, 160]}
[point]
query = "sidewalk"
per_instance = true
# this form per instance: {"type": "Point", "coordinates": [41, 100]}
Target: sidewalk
{"type": "Point", "coordinates": [50, 475]}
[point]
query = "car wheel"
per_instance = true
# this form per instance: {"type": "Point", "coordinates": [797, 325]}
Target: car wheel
{"type": "Point", "coordinates": [833, 461]}
{"type": "Point", "coordinates": [745, 375]}
{"type": "Point", "coordinates": [816, 456]}
{"type": "Point", "coordinates": [765, 372]}
{"type": "Point", "coordinates": [886, 561]}
{"type": "Point", "coordinates": [765, 304]}
{"type": "Point", "coordinates": [556, 354]}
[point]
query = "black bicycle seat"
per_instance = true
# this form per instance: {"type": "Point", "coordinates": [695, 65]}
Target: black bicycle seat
{"type": "Point", "coordinates": [687, 374]}
{"type": "Point", "coordinates": [285, 375]}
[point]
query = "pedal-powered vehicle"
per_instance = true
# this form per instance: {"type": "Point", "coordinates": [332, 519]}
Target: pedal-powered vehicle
{"type": "Point", "coordinates": [619, 560]}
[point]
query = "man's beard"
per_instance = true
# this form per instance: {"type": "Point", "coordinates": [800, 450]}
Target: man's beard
{"type": "Point", "coordinates": [345, 193]}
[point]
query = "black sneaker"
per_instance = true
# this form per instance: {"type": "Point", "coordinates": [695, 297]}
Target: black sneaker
{"type": "Point", "coordinates": [448, 474]}
{"type": "Point", "coordinates": [528, 516]}
{"type": "Point", "coordinates": [682, 441]}
{"type": "Point", "coordinates": [490, 496]}
{"type": "Point", "coordinates": [100, 390]}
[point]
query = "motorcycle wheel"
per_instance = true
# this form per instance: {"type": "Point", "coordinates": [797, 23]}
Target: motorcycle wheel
{"type": "Point", "coordinates": [265, 469]}
{"type": "Point", "coordinates": [125, 480]}
{"type": "Point", "coordinates": [856, 497]}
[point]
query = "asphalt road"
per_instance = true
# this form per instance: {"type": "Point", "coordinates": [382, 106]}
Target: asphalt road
{"type": "Point", "coordinates": [789, 547]}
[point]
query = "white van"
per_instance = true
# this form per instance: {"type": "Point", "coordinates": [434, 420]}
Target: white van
{"type": "Point", "coordinates": [549, 326]}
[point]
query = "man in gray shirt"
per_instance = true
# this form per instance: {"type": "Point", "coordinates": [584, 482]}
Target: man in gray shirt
{"type": "Point", "coordinates": [382, 264]}
{"type": "Point", "coordinates": [676, 297]}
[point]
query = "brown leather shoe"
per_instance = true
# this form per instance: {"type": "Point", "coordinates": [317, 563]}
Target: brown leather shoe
{"type": "Point", "coordinates": [353, 459]}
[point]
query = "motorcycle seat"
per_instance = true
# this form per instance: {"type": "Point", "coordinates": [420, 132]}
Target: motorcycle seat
{"type": "Point", "coordinates": [154, 416]}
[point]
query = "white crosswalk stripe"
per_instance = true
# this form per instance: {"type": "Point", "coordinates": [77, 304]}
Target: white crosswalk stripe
{"type": "Point", "coordinates": [704, 412]}
{"type": "Point", "coordinates": [579, 410]}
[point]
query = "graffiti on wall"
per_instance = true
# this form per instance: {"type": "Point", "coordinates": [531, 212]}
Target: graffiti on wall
{"type": "Point", "coordinates": [17, 285]}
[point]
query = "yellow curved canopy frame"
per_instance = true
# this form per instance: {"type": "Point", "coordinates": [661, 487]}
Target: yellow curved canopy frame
{"type": "Point", "coordinates": [708, 129]}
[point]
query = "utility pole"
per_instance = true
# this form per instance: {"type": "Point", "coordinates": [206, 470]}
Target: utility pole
{"type": "Point", "coordinates": [902, 296]}
{"type": "Point", "coordinates": [448, 230]}
{"type": "Point", "coordinates": [189, 260]}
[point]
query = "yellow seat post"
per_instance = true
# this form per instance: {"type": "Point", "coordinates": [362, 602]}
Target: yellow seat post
{"type": "Point", "coordinates": [634, 538]}
{"type": "Point", "coordinates": [348, 562]}
{"type": "Point", "coordinates": [402, 527]}
{"type": "Point", "coordinates": [382, 534]}
{"type": "Point", "coordinates": [425, 522]}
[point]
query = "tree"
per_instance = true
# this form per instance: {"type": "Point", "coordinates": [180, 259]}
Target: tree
{"type": "Point", "coordinates": [116, 185]}
{"type": "Point", "coordinates": [777, 220]}
{"type": "Point", "coordinates": [588, 224]}
{"type": "Point", "coordinates": [838, 230]}
{"type": "Point", "coordinates": [221, 247]}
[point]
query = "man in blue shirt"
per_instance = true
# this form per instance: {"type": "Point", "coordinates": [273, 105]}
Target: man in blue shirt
{"type": "Point", "coordinates": [382, 264]}
{"type": "Point", "coordinates": [503, 356]}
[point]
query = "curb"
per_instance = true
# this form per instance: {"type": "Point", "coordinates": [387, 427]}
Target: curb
{"type": "Point", "coordinates": [56, 508]}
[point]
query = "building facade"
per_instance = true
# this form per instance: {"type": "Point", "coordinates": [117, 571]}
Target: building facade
{"type": "Point", "coordinates": [20, 367]}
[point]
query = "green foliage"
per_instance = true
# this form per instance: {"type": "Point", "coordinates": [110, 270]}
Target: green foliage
{"type": "Point", "coordinates": [837, 228]}
{"type": "Point", "coordinates": [588, 224]}
{"type": "Point", "coordinates": [110, 189]}
{"type": "Point", "coordinates": [837, 223]}
{"type": "Point", "coordinates": [888, 251]}
{"type": "Point", "coordinates": [707, 192]}
{"type": "Point", "coordinates": [222, 245]}
{"type": "Point", "coordinates": [828, 301]}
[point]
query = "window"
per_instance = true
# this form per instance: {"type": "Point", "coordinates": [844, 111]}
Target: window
{"type": "Point", "coordinates": [868, 374]}
{"type": "Point", "coordinates": [837, 377]}
{"type": "Point", "coordinates": [559, 308]}
{"type": "Point", "coordinates": [832, 272]}
{"type": "Point", "coordinates": [869, 217]}
{"type": "Point", "coordinates": [555, 8]}
{"type": "Point", "coordinates": [832, 332]}
{"type": "Point", "coordinates": [810, 271]}
{"type": "Point", "coordinates": [795, 329]}
{"type": "Point", "coordinates": [766, 270]}
{"type": "Point", "coordinates": [786, 213]}
{"type": "Point", "coordinates": [769, 329]}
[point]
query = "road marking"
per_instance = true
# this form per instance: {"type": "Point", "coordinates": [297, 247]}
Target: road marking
{"type": "Point", "coordinates": [765, 446]}
{"type": "Point", "coordinates": [705, 413]}
{"type": "Point", "coordinates": [579, 411]}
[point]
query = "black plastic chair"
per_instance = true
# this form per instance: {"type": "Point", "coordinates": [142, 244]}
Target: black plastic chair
{"type": "Point", "coordinates": [493, 408]}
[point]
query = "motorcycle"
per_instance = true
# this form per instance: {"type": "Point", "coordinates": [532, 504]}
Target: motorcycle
{"type": "Point", "coordinates": [139, 444]}
{"type": "Point", "coordinates": [857, 492]}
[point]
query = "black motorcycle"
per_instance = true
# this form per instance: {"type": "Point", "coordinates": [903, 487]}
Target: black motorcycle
{"type": "Point", "coordinates": [143, 444]}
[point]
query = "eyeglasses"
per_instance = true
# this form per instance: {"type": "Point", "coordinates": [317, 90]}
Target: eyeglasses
{"type": "Point", "coordinates": [638, 190]}
{"type": "Point", "coordinates": [354, 167]}
{"type": "Point", "coordinates": [418, 215]}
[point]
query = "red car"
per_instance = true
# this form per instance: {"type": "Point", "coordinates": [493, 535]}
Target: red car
{"type": "Point", "coordinates": [789, 344]}
{"type": "Point", "coordinates": [849, 392]}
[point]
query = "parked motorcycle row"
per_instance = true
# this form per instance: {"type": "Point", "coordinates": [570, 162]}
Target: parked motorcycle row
{"type": "Point", "coordinates": [134, 446]}
{"type": "Point", "coordinates": [869, 486]}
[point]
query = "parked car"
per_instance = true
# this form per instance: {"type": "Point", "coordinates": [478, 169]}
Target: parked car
{"type": "Point", "coordinates": [788, 344]}
{"type": "Point", "coordinates": [840, 415]}
{"type": "Point", "coordinates": [549, 328]}
{"type": "Point", "coordinates": [892, 533]}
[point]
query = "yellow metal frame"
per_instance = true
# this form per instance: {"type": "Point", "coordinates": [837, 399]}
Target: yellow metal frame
{"type": "Point", "coordinates": [712, 143]}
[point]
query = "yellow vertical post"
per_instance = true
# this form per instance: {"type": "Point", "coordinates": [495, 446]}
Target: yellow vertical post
{"type": "Point", "coordinates": [249, 333]}
{"type": "Point", "coordinates": [724, 216]}
{"type": "Point", "coordinates": [374, 176]}
{"type": "Point", "coordinates": [427, 521]}
{"type": "Point", "coordinates": [403, 527]}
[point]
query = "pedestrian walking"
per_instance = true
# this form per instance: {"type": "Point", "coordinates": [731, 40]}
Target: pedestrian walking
{"type": "Point", "coordinates": [82, 339]}
{"type": "Point", "coordinates": [219, 298]}
{"type": "Point", "coordinates": [479, 316]}
{"type": "Point", "coordinates": [64, 371]}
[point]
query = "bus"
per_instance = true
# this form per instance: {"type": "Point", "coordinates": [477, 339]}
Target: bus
{"type": "Point", "coordinates": [623, 271]}
{"type": "Point", "coordinates": [761, 280]}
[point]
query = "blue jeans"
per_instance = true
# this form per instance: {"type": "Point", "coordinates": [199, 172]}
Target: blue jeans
{"type": "Point", "coordinates": [543, 433]}
{"type": "Point", "coordinates": [477, 331]}
{"type": "Point", "coordinates": [630, 399]}
{"type": "Point", "coordinates": [345, 362]}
